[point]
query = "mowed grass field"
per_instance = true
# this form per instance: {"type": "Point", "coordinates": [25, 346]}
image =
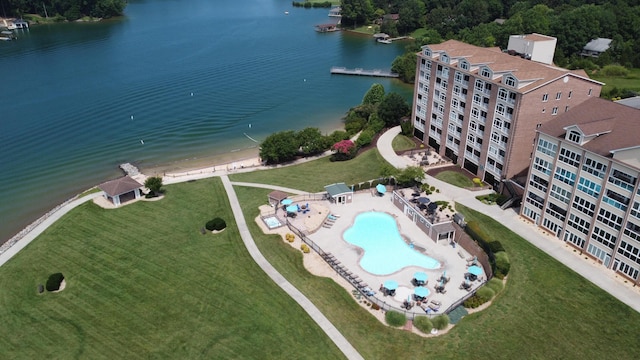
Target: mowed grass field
{"type": "Point", "coordinates": [143, 282]}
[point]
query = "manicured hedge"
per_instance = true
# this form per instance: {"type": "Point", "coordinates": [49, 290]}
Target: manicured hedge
{"type": "Point", "coordinates": [485, 293]}
{"type": "Point", "coordinates": [216, 224]}
{"type": "Point", "coordinates": [423, 324]}
{"type": "Point", "coordinates": [395, 318]}
{"type": "Point", "coordinates": [495, 284]}
{"type": "Point", "coordinates": [54, 281]}
{"type": "Point", "coordinates": [503, 265]}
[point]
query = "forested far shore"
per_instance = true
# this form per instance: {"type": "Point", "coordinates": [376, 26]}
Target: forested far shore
{"type": "Point", "coordinates": [61, 10]}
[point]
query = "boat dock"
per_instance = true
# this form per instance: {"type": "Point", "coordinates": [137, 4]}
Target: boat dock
{"type": "Point", "coordinates": [363, 72]}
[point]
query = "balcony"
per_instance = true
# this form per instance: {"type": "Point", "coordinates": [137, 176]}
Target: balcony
{"type": "Point", "coordinates": [494, 170]}
{"type": "Point", "coordinates": [471, 157]}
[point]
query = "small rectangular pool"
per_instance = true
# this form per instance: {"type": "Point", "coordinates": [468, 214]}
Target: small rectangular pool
{"type": "Point", "coordinates": [272, 222]}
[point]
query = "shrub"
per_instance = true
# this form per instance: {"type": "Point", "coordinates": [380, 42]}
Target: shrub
{"type": "Point", "coordinates": [54, 281]}
{"type": "Point", "coordinates": [407, 128]}
{"type": "Point", "coordinates": [495, 284]}
{"type": "Point", "coordinates": [395, 318]}
{"type": "Point", "coordinates": [305, 249]}
{"type": "Point", "coordinates": [502, 265]}
{"type": "Point", "coordinates": [614, 71]}
{"type": "Point", "coordinates": [154, 184]}
{"type": "Point", "coordinates": [216, 224]}
{"type": "Point", "coordinates": [423, 324]}
{"type": "Point", "coordinates": [365, 138]}
{"type": "Point", "coordinates": [473, 302]}
{"type": "Point", "coordinates": [290, 237]}
{"type": "Point", "coordinates": [477, 181]}
{"type": "Point", "coordinates": [485, 293]}
{"type": "Point", "coordinates": [479, 235]}
{"type": "Point", "coordinates": [440, 322]}
{"type": "Point", "coordinates": [375, 306]}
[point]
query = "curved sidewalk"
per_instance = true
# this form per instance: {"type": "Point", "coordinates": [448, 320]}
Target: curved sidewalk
{"type": "Point", "coordinates": [341, 342]}
{"type": "Point", "coordinates": [556, 248]}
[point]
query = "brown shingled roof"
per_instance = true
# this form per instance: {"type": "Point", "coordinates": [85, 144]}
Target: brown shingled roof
{"type": "Point", "coordinates": [618, 125]}
{"type": "Point", "coordinates": [278, 195]}
{"type": "Point", "coordinates": [119, 186]}
{"type": "Point", "coordinates": [499, 61]}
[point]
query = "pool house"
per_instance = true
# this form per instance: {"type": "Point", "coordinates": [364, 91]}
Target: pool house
{"type": "Point", "coordinates": [339, 193]}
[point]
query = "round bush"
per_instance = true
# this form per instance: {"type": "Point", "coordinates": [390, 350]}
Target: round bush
{"type": "Point", "coordinates": [54, 281]}
{"type": "Point", "coordinates": [216, 224]}
{"type": "Point", "coordinates": [304, 248]}
{"type": "Point", "coordinates": [440, 322]}
{"type": "Point", "coordinates": [423, 324]}
{"type": "Point", "coordinates": [395, 318]}
{"type": "Point", "coordinates": [485, 293]}
{"type": "Point", "coordinates": [473, 302]}
{"type": "Point", "coordinates": [495, 284]}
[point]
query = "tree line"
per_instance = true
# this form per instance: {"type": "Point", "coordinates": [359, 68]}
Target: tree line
{"type": "Point", "coordinates": [574, 23]}
{"type": "Point", "coordinates": [65, 9]}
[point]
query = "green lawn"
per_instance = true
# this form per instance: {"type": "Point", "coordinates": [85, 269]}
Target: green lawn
{"type": "Point", "coordinates": [546, 311]}
{"type": "Point", "coordinates": [143, 282]}
{"type": "Point", "coordinates": [631, 82]}
{"type": "Point", "coordinates": [455, 178]}
{"type": "Point", "coordinates": [402, 143]}
{"type": "Point", "coordinates": [314, 175]}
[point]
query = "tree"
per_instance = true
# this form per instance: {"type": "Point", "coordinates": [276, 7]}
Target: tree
{"type": "Point", "coordinates": [279, 147]}
{"type": "Point", "coordinates": [392, 108]}
{"type": "Point", "coordinates": [405, 66]}
{"type": "Point", "coordinates": [312, 141]}
{"type": "Point", "coordinates": [344, 150]}
{"type": "Point", "coordinates": [374, 95]}
{"type": "Point", "coordinates": [154, 184]}
{"type": "Point", "coordinates": [410, 176]}
{"type": "Point", "coordinates": [412, 16]}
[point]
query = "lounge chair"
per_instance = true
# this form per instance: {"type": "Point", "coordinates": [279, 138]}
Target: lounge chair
{"type": "Point", "coordinates": [435, 302]}
{"type": "Point", "coordinates": [434, 307]}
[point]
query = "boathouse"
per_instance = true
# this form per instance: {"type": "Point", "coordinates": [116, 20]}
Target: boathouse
{"type": "Point", "coordinates": [326, 27]}
{"type": "Point", "coordinates": [121, 190]}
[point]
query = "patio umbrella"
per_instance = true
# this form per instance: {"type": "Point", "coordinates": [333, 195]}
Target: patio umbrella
{"type": "Point", "coordinates": [421, 292]}
{"type": "Point", "coordinates": [381, 188]}
{"type": "Point", "coordinates": [286, 202]}
{"type": "Point", "coordinates": [475, 270]}
{"type": "Point", "coordinates": [424, 200]}
{"type": "Point", "coordinates": [292, 208]}
{"type": "Point", "coordinates": [432, 206]}
{"type": "Point", "coordinates": [390, 285]}
{"type": "Point", "coordinates": [420, 276]}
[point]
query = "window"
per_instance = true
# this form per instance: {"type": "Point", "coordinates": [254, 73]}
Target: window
{"type": "Point", "coordinates": [503, 94]}
{"type": "Point", "coordinates": [610, 219]}
{"type": "Point", "coordinates": [594, 168]}
{"type": "Point", "coordinates": [535, 200]}
{"type": "Point", "coordinates": [444, 58]}
{"type": "Point", "coordinates": [589, 187]}
{"type": "Point", "coordinates": [510, 81]}
{"type": "Point", "coordinates": [605, 238]}
{"type": "Point", "coordinates": [560, 194]}
{"type": "Point", "coordinates": [622, 180]}
{"type": "Point", "coordinates": [566, 108]}
{"type": "Point", "coordinates": [554, 111]}
{"type": "Point", "coordinates": [573, 136]}
{"type": "Point", "coordinates": [569, 157]}
{"type": "Point", "coordinates": [555, 211]}
{"type": "Point", "coordinates": [426, 52]}
{"type": "Point", "coordinates": [616, 200]}
{"type": "Point", "coordinates": [500, 109]}
{"type": "Point", "coordinates": [583, 205]}
{"type": "Point", "coordinates": [635, 210]}
{"type": "Point", "coordinates": [627, 269]}
{"type": "Point", "coordinates": [629, 251]}
{"type": "Point", "coordinates": [547, 147]}
{"type": "Point", "coordinates": [542, 165]}
{"type": "Point", "coordinates": [579, 223]}
{"type": "Point", "coordinates": [464, 65]}
{"type": "Point", "coordinates": [566, 176]}
{"type": "Point", "coordinates": [539, 183]}
{"type": "Point", "coordinates": [570, 93]}
{"type": "Point", "coordinates": [573, 238]}
{"type": "Point", "coordinates": [545, 97]}
{"type": "Point", "coordinates": [558, 95]}
{"type": "Point", "coordinates": [485, 72]}
{"type": "Point", "coordinates": [590, 92]}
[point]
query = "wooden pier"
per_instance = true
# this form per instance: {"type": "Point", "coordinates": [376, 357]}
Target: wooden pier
{"type": "Point", "coordinates": [363, 72]}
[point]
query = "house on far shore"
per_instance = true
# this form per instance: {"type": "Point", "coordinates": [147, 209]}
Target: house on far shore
{"type": "Point", "coordinates": [121, 190]}
{"type": "Point", "coordinates": [596, 47]}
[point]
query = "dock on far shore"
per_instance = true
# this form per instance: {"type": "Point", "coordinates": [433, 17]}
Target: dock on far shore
{"type": "Point", "coordinates": [363, 72]}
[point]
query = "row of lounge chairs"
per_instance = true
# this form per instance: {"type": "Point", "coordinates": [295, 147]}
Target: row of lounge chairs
{"type": "Point", "coordinates": [346, 273]}
{"type": "Point", "coordinates": [329, 221]}
{"type": "Point", "coordinates": [431, 306]}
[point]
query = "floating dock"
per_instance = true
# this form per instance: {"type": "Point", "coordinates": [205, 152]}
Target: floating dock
{"type": "Point", "coordinates": [363, 72]}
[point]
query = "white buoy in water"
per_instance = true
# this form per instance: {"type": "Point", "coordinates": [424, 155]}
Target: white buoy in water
{"type": "Point", "coordinates": [191, 94]}
{"type": "Point", "coordinates": [142, 142]}
{"type": "Point", "coordinates": [131, 117]}
{"type": "Point", "coordinates": [249, 126]}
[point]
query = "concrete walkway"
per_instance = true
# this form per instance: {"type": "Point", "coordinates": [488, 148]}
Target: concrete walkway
{"type": "Point", "coordinates": [341, 342]}
{"type": "Point", "coordinates": [38, 229]}
{"type": "Point", "coordinates": [606, 279]}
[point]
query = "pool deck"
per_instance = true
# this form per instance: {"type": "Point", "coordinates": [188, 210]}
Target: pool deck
{"type": "Point", "coordinates": [330, 240]}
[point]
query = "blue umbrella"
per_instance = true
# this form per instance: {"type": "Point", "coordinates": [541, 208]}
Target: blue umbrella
{"type": "Point", "coordinates": [381, 188]}
{"type": "Point", "coordinates": [424, 200]}
{"type": "Point", "coordinates": [475, 270]}
{"type": "Point", "coordinates": [421, 291]}
{"type": "Point", "coordinates": [390, 285]}
{"type": "Point", "coordinates": [420, 276]}
{"type": "Point", "coordinates": [286, 202]}
{"type": "Point", "coordinates": [292, 208]}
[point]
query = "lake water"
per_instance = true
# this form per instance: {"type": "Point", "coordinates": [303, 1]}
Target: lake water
{"type": "Point", "coordinates": [187, 78]}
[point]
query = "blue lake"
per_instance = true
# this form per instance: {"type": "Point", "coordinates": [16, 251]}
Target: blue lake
{"type": "Point", "coordinates": [187, 78]}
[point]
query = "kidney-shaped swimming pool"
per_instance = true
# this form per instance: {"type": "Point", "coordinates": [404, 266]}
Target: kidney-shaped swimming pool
{"type": "Point", "coordinates": [384, 250]}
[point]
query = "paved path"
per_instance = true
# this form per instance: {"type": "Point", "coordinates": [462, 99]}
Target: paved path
{"type": "Point", "coordinates": [556, 248]}
{"type": "Point", "coordinates": [347, 349]}
{"type": "Point", "coordinates": [38, 229]}
{"type": "Point", "coordinates": [272, 187]}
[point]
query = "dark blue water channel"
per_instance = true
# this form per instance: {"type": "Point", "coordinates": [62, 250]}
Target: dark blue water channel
{"type": "Point", "coordinates": [185, 77]}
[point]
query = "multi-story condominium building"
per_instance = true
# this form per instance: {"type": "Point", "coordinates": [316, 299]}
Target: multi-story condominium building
{"type": "Point", "coordinates": [480, 107]}
{"type": "Point", "coordinates": [583, 183]}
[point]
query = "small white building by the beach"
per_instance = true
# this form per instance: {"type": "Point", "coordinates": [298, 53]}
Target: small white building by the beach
{"type": "Point", "coordinates": [340, 193]}
{"type": "Point", "coordinates": [121, 190]}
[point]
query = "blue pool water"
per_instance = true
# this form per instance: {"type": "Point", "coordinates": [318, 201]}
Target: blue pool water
{"type": "Point", "coordinates": [384, 250]}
